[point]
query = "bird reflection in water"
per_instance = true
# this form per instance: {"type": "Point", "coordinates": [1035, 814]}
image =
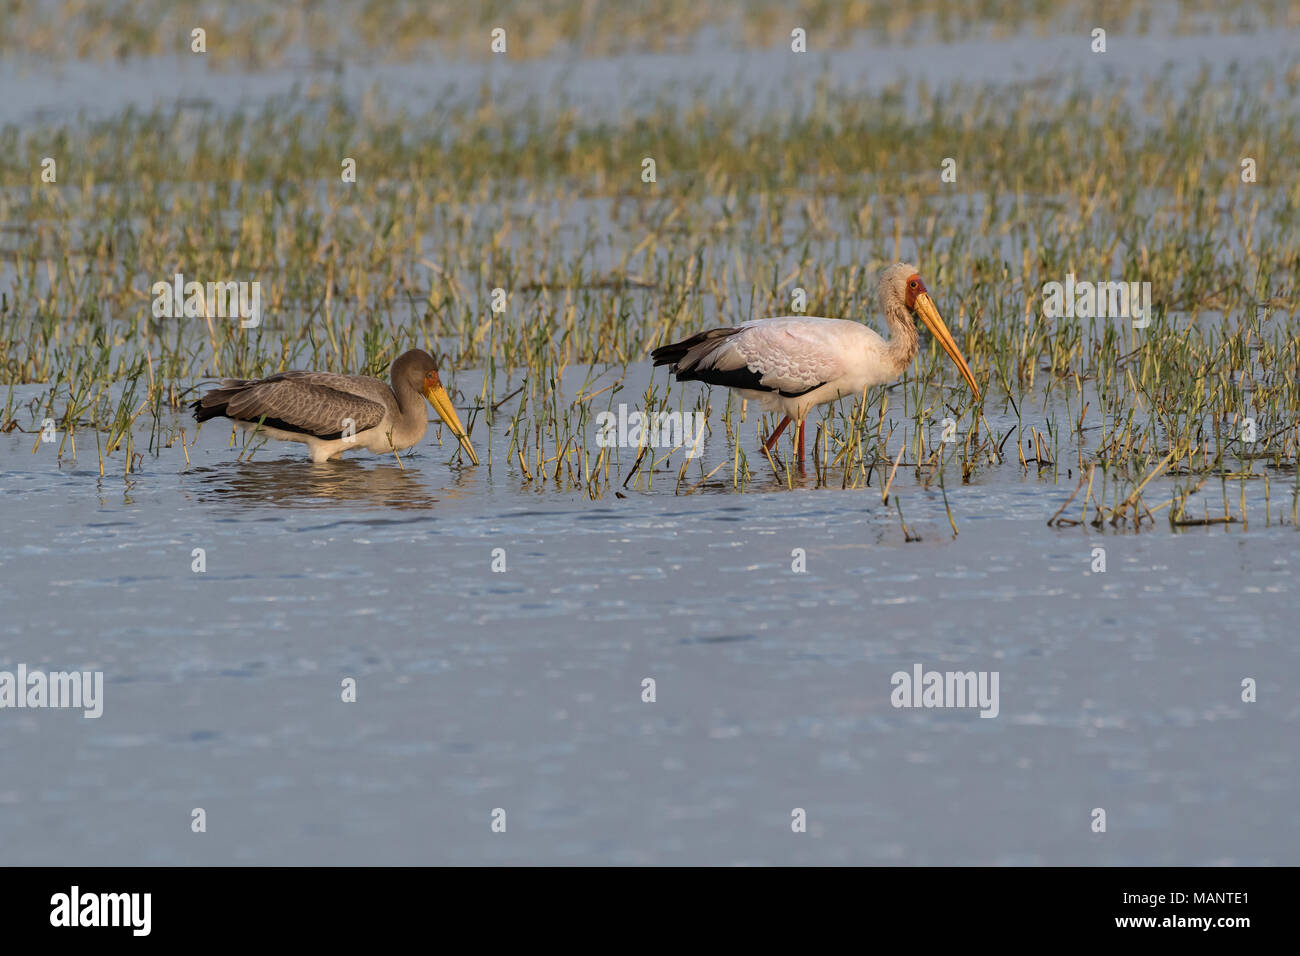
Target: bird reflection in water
{"type": "Point", "coordinates": [289, 483]}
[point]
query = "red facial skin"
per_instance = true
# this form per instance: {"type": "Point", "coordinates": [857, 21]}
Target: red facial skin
{"type": "Point", "coordinates": [915, 287]}
{"type": "Point", "coordinates": [431, 380]}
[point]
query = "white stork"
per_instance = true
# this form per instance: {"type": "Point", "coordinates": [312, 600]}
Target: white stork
{"type": "Point", "coordinates": [794, 363]}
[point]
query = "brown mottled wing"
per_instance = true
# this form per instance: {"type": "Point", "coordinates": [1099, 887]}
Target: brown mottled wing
{"type": "Point", "coordinates": [312, 403]}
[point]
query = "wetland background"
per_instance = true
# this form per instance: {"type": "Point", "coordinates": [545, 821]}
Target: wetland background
{"type": "Point", "coordinates": [522, 689]}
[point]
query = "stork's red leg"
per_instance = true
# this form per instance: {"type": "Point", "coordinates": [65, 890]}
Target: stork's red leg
{"type": "Point", "coordinates": [772, 438]}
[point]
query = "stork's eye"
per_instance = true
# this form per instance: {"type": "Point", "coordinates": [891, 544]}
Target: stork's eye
{"type": "Point", "coordinates": [913, 283]}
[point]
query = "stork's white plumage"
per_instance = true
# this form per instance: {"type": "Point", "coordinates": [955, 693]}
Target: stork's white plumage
{"type": "Point", "coordinates": [794, 363]}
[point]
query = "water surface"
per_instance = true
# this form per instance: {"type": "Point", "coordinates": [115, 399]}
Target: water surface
{"type": "Point", "coordinates": [522, 690]}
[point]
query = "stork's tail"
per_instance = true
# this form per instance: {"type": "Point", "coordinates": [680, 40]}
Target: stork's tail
{"type": "Point", "coordinates": [693, 348]}
{"type": "Point", "coordinates": [212, 403]}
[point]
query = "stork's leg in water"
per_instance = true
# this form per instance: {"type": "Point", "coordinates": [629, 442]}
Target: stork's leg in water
{"type": "Point", "coordinates": [800, 427]}
{"type": "Point", "coordinates": [772, 438]}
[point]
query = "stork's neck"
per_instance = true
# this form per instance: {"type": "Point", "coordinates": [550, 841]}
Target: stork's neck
{"type": "Point", "coordinates": [412, 419]}
{"type": "Point", "coordinates": [903, 346]}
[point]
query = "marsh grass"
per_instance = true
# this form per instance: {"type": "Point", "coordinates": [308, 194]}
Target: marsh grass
{"type": "Point", "coordinates": [598, 267]}
{"type": "Point", "coordinates": [270, 34]}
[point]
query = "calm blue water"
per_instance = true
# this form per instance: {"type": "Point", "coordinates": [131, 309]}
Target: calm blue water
{"type": "Point", "coordinates": [522, 689]}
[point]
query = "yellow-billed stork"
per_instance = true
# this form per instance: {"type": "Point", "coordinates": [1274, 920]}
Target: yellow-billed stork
{"type": "Point", "coordinates": [793, 363]}
{"type": "Point", "coordinates": [332, 414]}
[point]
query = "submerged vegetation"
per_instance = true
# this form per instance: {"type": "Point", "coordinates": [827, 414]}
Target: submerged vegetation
{"type": "Point", "coordinates": [595, 266]}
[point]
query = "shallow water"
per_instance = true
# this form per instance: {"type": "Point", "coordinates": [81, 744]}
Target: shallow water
{"type": "Point", "coordinates": [522, 689]}
{"type": "Point", "coordinates": [603, 87]}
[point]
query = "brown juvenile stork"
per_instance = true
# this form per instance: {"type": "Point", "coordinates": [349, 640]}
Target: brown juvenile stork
{"type": "Point", "coordinates": [794, 363]}
{"type": "Point", "coordinates": [332, 414]}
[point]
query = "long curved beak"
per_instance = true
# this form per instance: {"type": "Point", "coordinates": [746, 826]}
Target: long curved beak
{"type": "Point", "coordinates": [441, 403]}
{"type": "Point", "coordinates": [930, 316]}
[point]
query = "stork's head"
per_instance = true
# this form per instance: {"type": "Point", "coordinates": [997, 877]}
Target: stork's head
{"type": "Point", "coordinates": [418, 368]}
{"type": "Point", "coordinates": [901, 288]}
